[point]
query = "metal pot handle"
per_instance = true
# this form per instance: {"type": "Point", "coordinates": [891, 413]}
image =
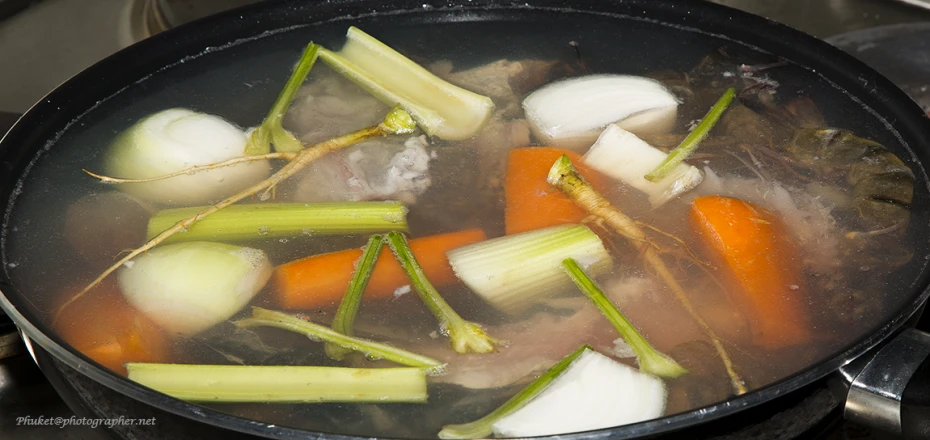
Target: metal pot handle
{"type": "Point", "coordinates": [892, 391]}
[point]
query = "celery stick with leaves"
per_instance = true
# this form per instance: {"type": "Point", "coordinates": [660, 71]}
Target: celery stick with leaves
{"type": "Point", "coordinates": [465, 336]}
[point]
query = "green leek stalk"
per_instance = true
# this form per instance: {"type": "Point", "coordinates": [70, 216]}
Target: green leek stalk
{"type": "Point", "coordinates": [465, 336]}
{"type": "Point", "coordinates": [482, 427]}
{"type": "Point", "coordinates": [270, 132]}
{"type": "Point", "coordinates": [440, 108]}
{"type": "Point", "coordinates": [348, 307]}
{"type": "Point", "coordinates": [282, 384]}
{"type": "Point", "coordinates": [374, 350]}
{"type": "Point", "coordinates": [274, 220]}
{"type": "Point", "coordinates": [691, 142]}
{"type": "Point", "coordinates": [651, 360]}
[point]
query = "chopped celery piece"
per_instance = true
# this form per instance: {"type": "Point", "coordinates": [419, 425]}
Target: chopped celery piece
{"type": "Point", "coordinates": [482, 427]}
{"type": "Point", "coordinates": [348, 307]}
{"type": "Point", "coordinates": [650, 360]}
{"type": "Point", "coordinates": [440, 108]}
{"type": "Point", "coordinates": [270, 132]}
{"type": "Point", "coordinates": [515, 271]}
{"type": "Point", "coordinates": [251, 383]}
{"type": "Point", "coordinates": [274, 220]}
{"type": "Point", "coordinates": [691, 142]}
{"type": "Point", "coordinates": [465, 336]}
{"type": "Point", "coordinates": [374, 350]}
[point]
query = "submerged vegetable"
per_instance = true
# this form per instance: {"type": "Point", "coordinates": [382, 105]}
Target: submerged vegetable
{"type": "Point", "coordinates": [269, 318]}
{"type": "Point", "coordinates": [344, 321]}
{"type": "Point", "coordinates": [282, 384]}
{"type": "Point", "coordinates": [108, 330]}
{"type": "Point", "coordinates": [623, 156]}
{"type": "Point", "coordinates": [176, 139]}
{"type": "Point", "coordinates": [517, 271]}
{"type": "Point", "coordinates": [532, 203]}
{"type": "Point", "coordinates": [571, 113]}
{"type": "Point", "coordinates": [594, 392]}
{"type": "Point", "coordinates": [189, 287]}
{"type": "Point", "coordinates": [762, 262]}
{"type": "Point", "coordinates": [321, 280]}
{"type": "Point", "coordinates": [440, 108]}
{"type": "Point", "coordinates": [465, 336]}
{"type": "Point", "coordinates": [273, 220]}
{"type": "Point", "coordinates": [650, 360]}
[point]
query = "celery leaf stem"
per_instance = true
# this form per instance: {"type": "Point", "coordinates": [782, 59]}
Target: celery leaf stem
{"type": "Point", "coordinates": [344, 321]}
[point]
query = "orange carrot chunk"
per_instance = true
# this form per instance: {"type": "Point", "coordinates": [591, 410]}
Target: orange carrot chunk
{"type": "Point", "coordinates": [762, 264]}
{"type": "Point", "coordinates": [105, 328]}
{"type": "Point", "coordinates": [322, 280]}
{"type": "Point", "coordinates": [531, 202]}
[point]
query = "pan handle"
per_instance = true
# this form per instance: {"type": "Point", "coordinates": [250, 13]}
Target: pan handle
{"type": "Point", "coordinates": [892, 390]}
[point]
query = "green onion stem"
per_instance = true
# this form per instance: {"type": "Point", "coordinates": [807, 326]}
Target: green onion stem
{"type": "Point", "coordinates": [271, 131]}
{"type": "Point", "coordinates": [482, 427]}
{"type": "Point", "coordinates": [348, 307]}
{"type": "Point", "coordinates": [274, 220]}
{"type": "Point", "coordinates": [374, 350]}
{"type": "Point", "coordinates": [651, 360]}
{"type": "Point", "coordinates": [465, 336]}
{"type": "Point", "coordinates": [282, 384]}
{"type": "Point", "coordinates": [691, 142]}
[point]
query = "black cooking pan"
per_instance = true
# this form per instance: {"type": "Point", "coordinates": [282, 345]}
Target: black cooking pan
{"type": "Point", "coordinates": [234, 63]}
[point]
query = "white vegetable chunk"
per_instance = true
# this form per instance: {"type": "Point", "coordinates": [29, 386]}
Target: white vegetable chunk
{"type": "Point", "coordinates": [625, 157]}
{"type": "Point", "coordinates": [177, 139]}
{"type": "Point", "coordinates": [570, 114]}
{"type": "Point", "coordinates": [595, 392]}
{"type": "Point", "coordinates": [189, 287]}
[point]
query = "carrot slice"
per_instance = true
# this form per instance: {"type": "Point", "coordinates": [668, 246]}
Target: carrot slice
{"type": "Point", "coordinates": [322, 280]}
{"type": "Point", "coordinates": [105, 328]}
{"type": "Point", "coordinates": [532, 203]}
{"type": "Point", "coordinates": [762, 263]}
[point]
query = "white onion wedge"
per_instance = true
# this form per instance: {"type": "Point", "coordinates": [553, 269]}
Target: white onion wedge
{"type": "Point", "coordinates": [177, 139]}
{"type": "Point", "coordinates": [516, 271]}
{"type": "Point", "coordinates": [625, 157]}
{"type": "Point", "coordinates": [570, 114]}
{"type": "Point", "coordinates": [189, 287]}
{"type": "Point", "coordinates": [595, 392]}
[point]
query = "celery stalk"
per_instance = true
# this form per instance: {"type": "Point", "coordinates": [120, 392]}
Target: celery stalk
{"type": "Point", "coordinates": [375, 350]}
{"type": "Point", "coordinates": [651, 360]}
{"type": "Point", "coordinates": [482, 427]}
{"type": "Point", "coordinates": [515, 271]}
{"type": "Point", "coordinates": [691, 142]}
{"type": "Point", "coordinates": [348, 307]}
{"type": "Point", "coordinates": [465, 336]}
{"type": "Point", "coordinates": [440, 108]}
{"type": "Point", "coordinates": [251, 383]}
{"type": "Point", "coordinates": [273, 220]}
{"type": "Point", "coordinates": [270, 132]}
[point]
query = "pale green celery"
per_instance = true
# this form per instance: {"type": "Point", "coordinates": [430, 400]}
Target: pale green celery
{"type": "Point", "coordinates": [282, 384]}
{"type": "Point", "coordinates": [274, 220]}
{"type": "Point", "coordinates": [270, 132]}
{"type": "Point", "coordinates": [465, 336]}
{"type": "Point", "coordinates": [440, 108]}
{"type": "Point", "coordinates": [650, 360]}
{"type": "Point", "coordinates": [348, 307]}
{"type": "Point", "coordinates": [691, 142]}
{"type": "Point", "coordinates": [515, 272]}
{"type": "Point", "coordinates": [482, 427]}
{"type": "Point", "coordinates": [373, 350]}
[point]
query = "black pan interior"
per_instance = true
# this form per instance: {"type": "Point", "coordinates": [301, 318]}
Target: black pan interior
{"type": "Point", "coordinates": [234, 64]}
